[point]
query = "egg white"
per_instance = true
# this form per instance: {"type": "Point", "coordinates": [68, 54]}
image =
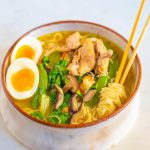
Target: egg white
{"type": "Point", "coordinates": [33, 43]}
{"type": "Point", "coordinates": [16, 66]}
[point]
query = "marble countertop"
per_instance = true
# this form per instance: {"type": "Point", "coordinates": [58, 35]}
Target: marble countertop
{"type": "Point", "coordinates": [17, 17]}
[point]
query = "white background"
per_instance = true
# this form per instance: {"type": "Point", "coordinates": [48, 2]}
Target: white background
{"type": "Point", "coordinates": [19, 16]}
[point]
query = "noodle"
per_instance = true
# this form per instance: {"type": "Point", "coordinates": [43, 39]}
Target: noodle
{"type": "Point", "coordinates": [57, 37]}
{"type": "Point", "coordinates": [83, 116]}
{"type": "Point", "coordinates": [111, 97]}
{"type": "Point", "coordinates": [28, 110]}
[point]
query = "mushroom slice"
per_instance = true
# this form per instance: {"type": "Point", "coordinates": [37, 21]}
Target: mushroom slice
{"type": "Point", "coordinates": [75, 103]}
{"type": "Point", "coordinates": [71, 85]}
{"type": "Point", "coordinates": [88, 96]}
{"type": "Point", "coordinates": [60, 97]}
{"type": "Point", "coordinates": [76, 118]}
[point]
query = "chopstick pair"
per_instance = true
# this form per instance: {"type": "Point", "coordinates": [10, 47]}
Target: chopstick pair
{"type": "Point", "coordinates": [118, 78]}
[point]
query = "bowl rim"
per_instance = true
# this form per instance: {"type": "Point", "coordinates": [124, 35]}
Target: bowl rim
{"type": "Point", "coordinates": [67, 126]}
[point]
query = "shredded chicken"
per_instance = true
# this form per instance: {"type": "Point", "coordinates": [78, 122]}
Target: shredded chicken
{"type": "Point", "coordinates": [83, 60]}
{"type": "Point", "coordinates": [87, 61]}
{"type": "Point", "coordinates": [86, 83]}
{"type": "Point", "coordinates": [71, 85]}
{"type": "Point", "coordinates": [72, 42]}
{"type": "Point", "coordinates": [103, 56]}
{"type": "Point", "coordinates": [74, 65]}
{"type": "Point", "coordinates": [107, 54]}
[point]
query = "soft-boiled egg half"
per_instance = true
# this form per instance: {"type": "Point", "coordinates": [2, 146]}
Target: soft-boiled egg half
{"type": "Point", "coordinates": [28, 47]}
{"type": "Point", "coordinates": [22, 78]}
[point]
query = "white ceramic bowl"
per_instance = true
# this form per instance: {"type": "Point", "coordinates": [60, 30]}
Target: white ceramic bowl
{"type": "Point", "coordinates": [31, 129]}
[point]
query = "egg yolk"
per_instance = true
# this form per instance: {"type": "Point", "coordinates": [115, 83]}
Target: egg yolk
{"type": "Point", "coordinates": [25, 51]}
{"type": "Point", "coordinates": [23, 80]}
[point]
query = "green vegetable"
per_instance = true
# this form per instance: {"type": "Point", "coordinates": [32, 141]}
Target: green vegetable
{"type": "Point", "coordinates": [45, 60]}
{"type": "Point", "coordinates": [35, 100]}
{"type": "Point", "coordinates": [43, 79]}
{"type": "Point", "coordinates": [54, 119]}
{"type": "Point", "coordinates": [37, 115]}
{"type": "Point", "coordinates": [93, 86]}
{"type": "Point", "coordinates": [101, 82]}
{"type": "Point", "coordinates": [78, 92]}
{"type": "Point", "coordinates": [94, 101]}
{"type": "Point", "coordinates": [58, 74]}
{"type": "Point", "coordinates": [113, 67]}
{"type": "Point", "coordinates": [54, 58]}
{"type": "Point", "coordinates": [53, 95]}
{"type": "Point", "coordinates": [42, 87]}
{"type": "Point", "coordinates": [45, 105]}
{"type": "Point", "coordinates": [63, 116]}
{"type": "Point", "coordinates": [79, 78]}
{"type": "Point", "coordinates": [66, 100]}
{"type": "Point", "coordinates": [66, 80]}
{"type": "Point", "coordinates": [58, 80]}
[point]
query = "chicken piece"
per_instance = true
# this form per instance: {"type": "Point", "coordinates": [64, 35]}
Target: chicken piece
{"type": "Point", "coordinates": [74, 65]}
{"type": "Point", "coordinates": [102, 66]}
{"type": "Point", "coordinates": [107, 54]}
{"type": "Point", "coordinates": [72, 42]}
{"type": "Point", "coordinates": [86, 83]}
{"type": "Point", "coordinates": [87, 54]}
{"type": "Point", "coordinates": [83, 59]}
{"type": "Point", "coordinates": [103, 56]}
{"type": "Point", "coordinates": [71, 85]}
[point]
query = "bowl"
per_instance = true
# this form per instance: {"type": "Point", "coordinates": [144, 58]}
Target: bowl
{"type": "Point", "coordinates": [33, 127]}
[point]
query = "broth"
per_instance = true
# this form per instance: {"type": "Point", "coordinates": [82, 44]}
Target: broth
{"type": "Point", "coordinates": [58, 39]}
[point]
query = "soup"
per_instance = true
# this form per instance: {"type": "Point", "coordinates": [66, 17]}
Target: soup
{"type": "Point", "coordinates": [74, 69]}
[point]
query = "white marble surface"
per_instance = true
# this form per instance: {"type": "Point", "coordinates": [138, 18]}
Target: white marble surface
{"type": "Point", "coordinates": [18, 16]}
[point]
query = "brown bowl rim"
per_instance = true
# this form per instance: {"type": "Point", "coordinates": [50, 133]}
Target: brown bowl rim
{"type": "Point", "coordinates": [130, 98]}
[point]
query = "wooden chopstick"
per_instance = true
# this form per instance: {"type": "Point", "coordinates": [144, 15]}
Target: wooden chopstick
{"type": "Point", "coordinates": [134, 52]}
{"type": "Point", "coordinates": [119, 73]}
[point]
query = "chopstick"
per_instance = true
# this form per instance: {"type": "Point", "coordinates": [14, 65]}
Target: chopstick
{"type": "Point", "coordinates": [119, 73]}
{"type": "Point", "coordinates": [134, 52]}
